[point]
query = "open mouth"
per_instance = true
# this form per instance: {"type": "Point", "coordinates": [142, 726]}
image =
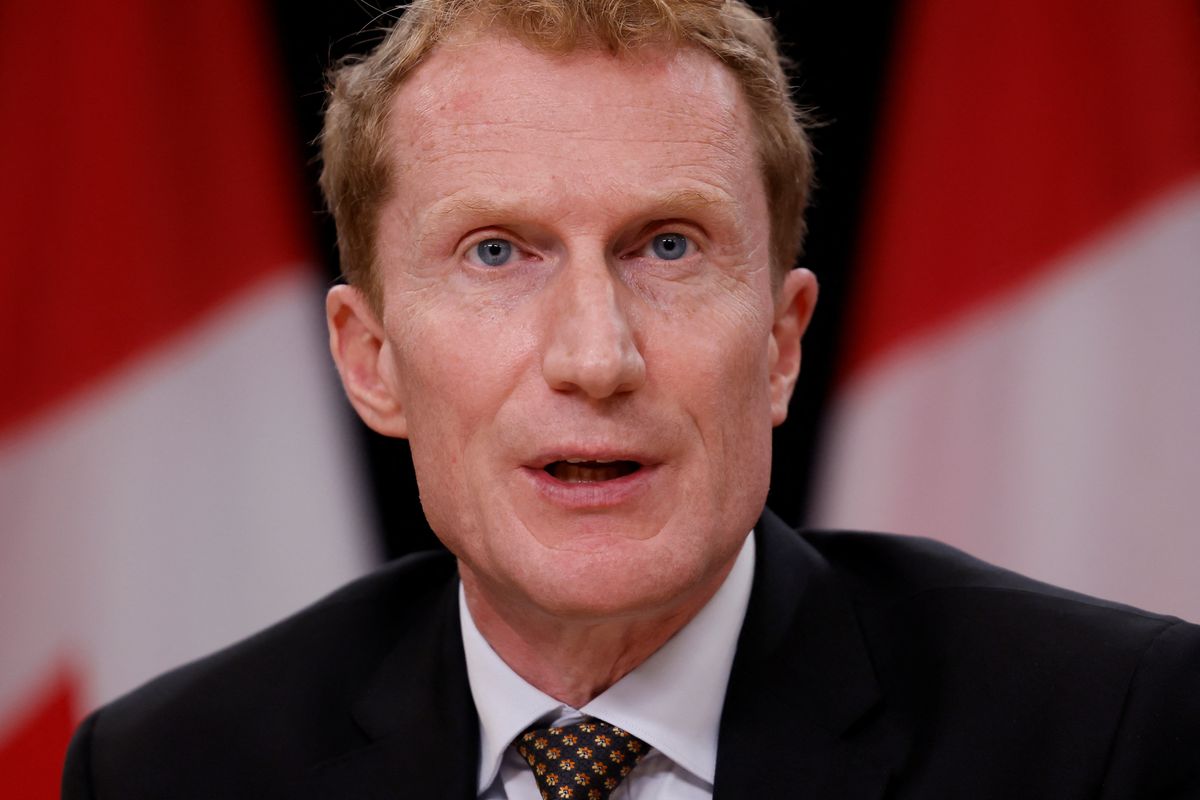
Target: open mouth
{"type": "Point", "coordinates": [581, 471]}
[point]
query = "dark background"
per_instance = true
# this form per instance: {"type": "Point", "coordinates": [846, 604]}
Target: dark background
{"type": "Point", "coordinates": [840, 57]}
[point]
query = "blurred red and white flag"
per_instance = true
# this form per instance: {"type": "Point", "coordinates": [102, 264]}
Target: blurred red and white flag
{"type": "Point", "coordinates": [1023, 376]}
{"type": "Point", "coordinates": [173, 472]}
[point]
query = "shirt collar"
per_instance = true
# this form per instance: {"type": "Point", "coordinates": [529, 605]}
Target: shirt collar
{"type": "Point", "coordinates": [672, 700]}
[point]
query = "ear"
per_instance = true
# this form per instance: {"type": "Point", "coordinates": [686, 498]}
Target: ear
{"type": "Point", "coordinates": [364, 359]}
{"type": "Point", "coordinates": [794, 303]}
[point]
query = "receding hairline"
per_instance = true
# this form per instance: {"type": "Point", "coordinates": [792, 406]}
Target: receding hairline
{"type": "Point", "coordinates": [731, 118]}
{"type": "Point", "coordinates": [469, 32]}
{"type": "Point", "coordinates": [362, 94]}
{"type": "Point", "coordinates": [489, 16]}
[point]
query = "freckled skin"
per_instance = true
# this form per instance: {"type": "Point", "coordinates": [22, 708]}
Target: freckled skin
{"type": "Point", "coordinates": [584, 338]}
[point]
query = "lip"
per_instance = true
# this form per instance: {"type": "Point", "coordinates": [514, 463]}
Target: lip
{"type": "Point", "coordinates": [585, 453]}
{"type": "Point", "coordinates": [590, 495]}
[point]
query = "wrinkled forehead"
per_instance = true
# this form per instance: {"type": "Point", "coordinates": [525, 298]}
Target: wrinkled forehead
{"type": "Point", "coordinates": [489, 77]}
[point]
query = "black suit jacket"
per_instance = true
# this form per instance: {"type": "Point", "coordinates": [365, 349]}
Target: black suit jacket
{"type": "Point", "coordinates": [869, 666]}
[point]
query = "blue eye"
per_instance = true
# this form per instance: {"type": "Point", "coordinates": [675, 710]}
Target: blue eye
{"type": "Point", "coordinates": [670, 246]}
{"type": "Point", "coordinates": [494, 252]}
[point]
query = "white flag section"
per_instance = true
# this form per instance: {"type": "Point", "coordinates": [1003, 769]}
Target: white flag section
{"type": "Point", "coordinates": [193, 498]}
{"type": "Point", "coordinates": [175, 468]}
{"type": "Point", "coordinates": [1050, 433]}
{"type": "Point", "coordinates": [1024, 378]}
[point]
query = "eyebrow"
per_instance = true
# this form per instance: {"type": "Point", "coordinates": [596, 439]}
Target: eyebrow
{"type": "Point", "coordinates": [688, 199]}
{"type": "Point", "coordinates": [481, 206]}
{"type": "Point", "coordinates": [668, 204]}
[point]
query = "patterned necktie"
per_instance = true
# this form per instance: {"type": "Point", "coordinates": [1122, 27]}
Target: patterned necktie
{"type": "Point", "coordinates": [584, 761]}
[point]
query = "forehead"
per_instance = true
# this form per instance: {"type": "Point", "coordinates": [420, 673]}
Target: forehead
{"type": "Point", "coordinates": [485, 106]}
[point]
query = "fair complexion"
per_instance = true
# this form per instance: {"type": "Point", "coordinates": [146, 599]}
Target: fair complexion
{"type": "Point", "coordinates": [580, 338]}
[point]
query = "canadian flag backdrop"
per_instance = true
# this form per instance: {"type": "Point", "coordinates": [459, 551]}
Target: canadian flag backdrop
{"type": "Point", "coordinates": [1023, 372]}
{"type": "Point", "coordinates": [173, 469]}
{"type": "Point", "coordinates": [1021, 380]}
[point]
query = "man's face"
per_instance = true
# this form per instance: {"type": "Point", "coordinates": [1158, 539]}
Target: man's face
{"type": "Point", "coordinates": [579, 334]}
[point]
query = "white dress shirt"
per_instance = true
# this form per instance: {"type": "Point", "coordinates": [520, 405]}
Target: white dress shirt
{"type": "Point", "coordinates": [672, 701]}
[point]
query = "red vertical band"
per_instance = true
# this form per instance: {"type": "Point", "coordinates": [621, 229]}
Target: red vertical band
{"type": "Point", "coordinates": [33, 745]}
{"type": "Point", "coordinates": [1015, 130]}
{"type": "Point", "coordinates": [144, 181]}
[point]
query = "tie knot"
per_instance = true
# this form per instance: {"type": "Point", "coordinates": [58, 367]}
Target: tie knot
{"type": "Point", "coordinates": [584, 761]}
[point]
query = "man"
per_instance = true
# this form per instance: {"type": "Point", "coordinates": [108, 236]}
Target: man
{"type": "Point", "coordinates": [567, 228]}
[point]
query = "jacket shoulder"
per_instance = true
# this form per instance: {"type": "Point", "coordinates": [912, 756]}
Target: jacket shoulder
{"type": "Point", "coordinates": [968, 652]}
{"type": "Point", "coordinates": [883, 569]}
{"type": "Point", "coordinates": [264, 706]}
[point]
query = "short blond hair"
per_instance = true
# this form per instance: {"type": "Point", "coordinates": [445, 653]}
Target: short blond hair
{"type": "Point", "coordinates": [358, 172]}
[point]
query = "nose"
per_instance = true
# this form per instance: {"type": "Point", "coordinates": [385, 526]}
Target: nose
{"type": "Point", "coordinates": [590, 345]}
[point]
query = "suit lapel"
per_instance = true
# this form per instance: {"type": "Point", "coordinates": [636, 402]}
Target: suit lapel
{"type": "Point", "coordinates": [799, 714]}
{"type": "Point", "coordinates": [419, 719]}
{"type": "Point", "coordinates": [801, 681]}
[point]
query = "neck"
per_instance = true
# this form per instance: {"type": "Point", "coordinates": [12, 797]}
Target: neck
{"type": "Point", "coordinates": [575, 659]}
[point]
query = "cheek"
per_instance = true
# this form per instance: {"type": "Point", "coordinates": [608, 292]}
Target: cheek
{"type": "Point", "coordinates": [444, 410]}
{"type": "Point", "coordinates": [456, 367]}
{"type": "Point", "coordinates": [731, 340]}
{"type": "Point", "coordinates": [458, 370]}
{"type": "Point", "coordinates": [717, 370]}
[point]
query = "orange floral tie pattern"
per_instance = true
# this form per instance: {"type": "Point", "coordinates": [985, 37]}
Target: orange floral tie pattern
{"type": "Point", "coordinates": [584, 761]}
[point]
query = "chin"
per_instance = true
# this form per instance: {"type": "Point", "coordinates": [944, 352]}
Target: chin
{"type": "Point", "coordinates": [602, 603]}
{"type": "Point", "coordinates": [614, 577]}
